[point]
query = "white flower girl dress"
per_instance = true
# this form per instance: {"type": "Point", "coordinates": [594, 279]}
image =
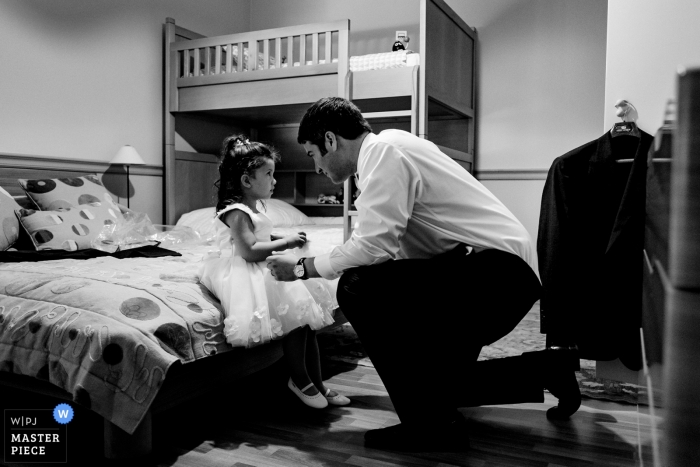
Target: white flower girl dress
{"type": "Point", "coordinates": [257, 307]}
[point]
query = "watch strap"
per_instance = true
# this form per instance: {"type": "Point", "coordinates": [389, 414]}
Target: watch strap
{"type": "Point", "coordinates": [303, 266]}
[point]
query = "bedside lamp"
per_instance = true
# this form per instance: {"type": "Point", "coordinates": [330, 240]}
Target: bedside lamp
{"type": "Point", "coordinates": [127, 156]}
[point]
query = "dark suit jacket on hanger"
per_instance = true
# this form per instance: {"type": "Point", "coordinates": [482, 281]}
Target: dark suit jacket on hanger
{"type": "Point", "coordinates": [589, 244]}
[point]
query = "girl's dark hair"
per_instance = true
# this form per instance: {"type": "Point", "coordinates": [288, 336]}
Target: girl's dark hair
{"type": "Point", "coordinates": [335, 114]}
{"type": "Point", "coordinates": [239, 157]}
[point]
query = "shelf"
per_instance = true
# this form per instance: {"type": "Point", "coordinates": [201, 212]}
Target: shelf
{"type": "Point", "coordinates": [456, 154]}
{"type": "Point", "coordinates": [393, 114]}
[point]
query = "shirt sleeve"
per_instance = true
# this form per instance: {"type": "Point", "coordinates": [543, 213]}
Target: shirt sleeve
{"type": "Point", "coordinates": [389, 186]}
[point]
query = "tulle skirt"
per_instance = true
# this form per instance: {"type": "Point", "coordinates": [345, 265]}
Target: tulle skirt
{"type": "Point", "coordinates": [258, 308]}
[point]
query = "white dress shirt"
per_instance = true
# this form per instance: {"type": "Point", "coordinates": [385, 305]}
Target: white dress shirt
{"type": "Point", "coordinates": [416, 202]}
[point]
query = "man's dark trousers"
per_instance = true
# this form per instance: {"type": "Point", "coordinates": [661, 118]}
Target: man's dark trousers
{"type": "Point", "coordinates": [423, 323]}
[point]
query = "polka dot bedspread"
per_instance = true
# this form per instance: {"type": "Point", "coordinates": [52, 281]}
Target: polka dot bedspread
{"type": "Point", "coordinates": [106, 330]}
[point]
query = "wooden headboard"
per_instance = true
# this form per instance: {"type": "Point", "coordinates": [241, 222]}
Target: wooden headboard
{"type": "Point", "coordinates": [194, 176]}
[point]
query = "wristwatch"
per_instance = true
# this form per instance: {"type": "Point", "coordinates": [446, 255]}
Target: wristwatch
{"type": "Point", "coordinates": [300, 270]}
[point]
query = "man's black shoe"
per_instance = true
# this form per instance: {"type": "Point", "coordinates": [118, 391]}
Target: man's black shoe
{"type": "Point", "coordinates": [560, 380]}
{"type": "Point", "coordinates": [557, 368]}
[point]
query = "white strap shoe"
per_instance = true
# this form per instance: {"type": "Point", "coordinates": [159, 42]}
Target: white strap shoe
{"type": "Point", "coordinates": [337, 399]}
{"type": "Point", "coordinates": [316, 401]}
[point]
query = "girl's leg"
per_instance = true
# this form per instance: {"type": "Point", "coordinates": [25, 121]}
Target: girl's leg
{"type": "Point", "coordinates": [294, 345]}
{"type": "Point", "coordinates": [313, 360]}
{"type": "Point", "coordinates": [313, 363]}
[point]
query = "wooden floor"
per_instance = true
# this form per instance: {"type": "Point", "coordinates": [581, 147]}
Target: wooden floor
{"type": "Point", "coordinates": [261, 423]}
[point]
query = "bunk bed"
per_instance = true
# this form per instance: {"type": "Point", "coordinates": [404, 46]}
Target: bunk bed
{"type": "Point", "coordinates": [261, 82]}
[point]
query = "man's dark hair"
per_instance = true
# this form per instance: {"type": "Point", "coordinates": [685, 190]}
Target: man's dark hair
{"type": "Point", "coordinates": [335, 114]}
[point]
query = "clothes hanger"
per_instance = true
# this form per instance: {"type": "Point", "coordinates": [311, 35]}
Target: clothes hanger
{"type": "Point", "coordinates": [628, 113]}
{"type": "Point", "coordinates": [628, 126]}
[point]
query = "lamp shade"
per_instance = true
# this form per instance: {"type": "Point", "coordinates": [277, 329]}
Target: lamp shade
{"type": "Point", "coordinates": [127, 155]}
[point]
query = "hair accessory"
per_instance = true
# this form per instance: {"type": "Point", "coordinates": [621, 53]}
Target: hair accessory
{"type": "Point", "coordinates": [241, 142]}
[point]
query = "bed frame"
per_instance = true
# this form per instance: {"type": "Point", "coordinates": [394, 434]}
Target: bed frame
{"type": "Point", "coordinates": [205, 102]}
{"type": "Point", "coordinates": [182, 383]}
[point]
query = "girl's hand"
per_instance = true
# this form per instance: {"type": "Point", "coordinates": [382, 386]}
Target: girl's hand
{"type": "Point", "coordinates": [296, 240]}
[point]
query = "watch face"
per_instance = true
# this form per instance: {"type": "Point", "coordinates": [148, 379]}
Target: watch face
{"type": "Point", "coordinates": [299, 270]}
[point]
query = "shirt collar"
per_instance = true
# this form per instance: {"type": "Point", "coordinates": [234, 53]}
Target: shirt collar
{"type": "Point", "coordinates": [363, 153]}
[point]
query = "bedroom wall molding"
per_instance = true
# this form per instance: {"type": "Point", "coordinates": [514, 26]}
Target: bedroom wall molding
{"type": "Point", "coordinates": [196, 157]}
{"type": "Point", "coordinates": [27, 161]}
{"type": "Point", "coordinates": [512, 174]}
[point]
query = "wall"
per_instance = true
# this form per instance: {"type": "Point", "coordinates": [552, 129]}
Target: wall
{"type": "Point", "coordinates": [647, 41]}
{"type": "Point", "coordinates": [541, 81]}
{"type": "Point", "coordinates": [81, 78]}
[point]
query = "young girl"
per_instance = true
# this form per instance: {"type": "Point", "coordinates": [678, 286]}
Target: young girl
{"type": "Point", "coordinates": [257, 307]}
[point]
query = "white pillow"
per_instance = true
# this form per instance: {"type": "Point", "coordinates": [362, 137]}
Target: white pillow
{"type": "Point", "coordinates": [201, 220]}
{"type": "Point", "coordinates": [283, 214]}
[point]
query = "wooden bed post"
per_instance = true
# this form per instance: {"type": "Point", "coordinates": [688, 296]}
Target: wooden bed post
{"type": "Point", "coordinates": [415, 101]}
{"type": "Point", "coordinates": [345, 91]}
{"type": "Point", "coordinates": [169, 103]}
{"type": "Point", "coordinates": [446, 81]}
{"type": "Point", "coordinates": [423, 98]}
{"type": "Point", "coordinates": [344, 62]}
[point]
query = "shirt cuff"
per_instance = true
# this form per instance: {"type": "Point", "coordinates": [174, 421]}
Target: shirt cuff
{"type": "Point", "coordinates": [323, 266]}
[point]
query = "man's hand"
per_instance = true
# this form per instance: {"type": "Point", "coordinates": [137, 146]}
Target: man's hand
{"type": "Point", "coordinates": [281, 266]}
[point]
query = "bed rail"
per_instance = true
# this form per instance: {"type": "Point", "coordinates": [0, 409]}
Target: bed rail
{"type": "Point", "coordinates": [312, 49]}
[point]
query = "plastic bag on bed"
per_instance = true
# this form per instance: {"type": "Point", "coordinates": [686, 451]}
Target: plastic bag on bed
{"type": "Point", "coordinates": [171, 235]}
{"type": "Point", "coordinates": [136, 230]}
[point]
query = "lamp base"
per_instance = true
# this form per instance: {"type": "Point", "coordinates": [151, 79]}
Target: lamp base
{"type": "Point", "coordinates": [128, 204]}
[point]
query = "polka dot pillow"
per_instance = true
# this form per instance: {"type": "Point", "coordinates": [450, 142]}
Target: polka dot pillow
{"type": "Point", "coordinates": [65, 229]}
{"type": "Point", "coordinates": [74, 192]}
{"type": "Point", "coordinates": [9, 227]}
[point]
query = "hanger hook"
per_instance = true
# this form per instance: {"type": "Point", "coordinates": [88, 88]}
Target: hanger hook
{"type": "Point", "coordinates": [626, 111]}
